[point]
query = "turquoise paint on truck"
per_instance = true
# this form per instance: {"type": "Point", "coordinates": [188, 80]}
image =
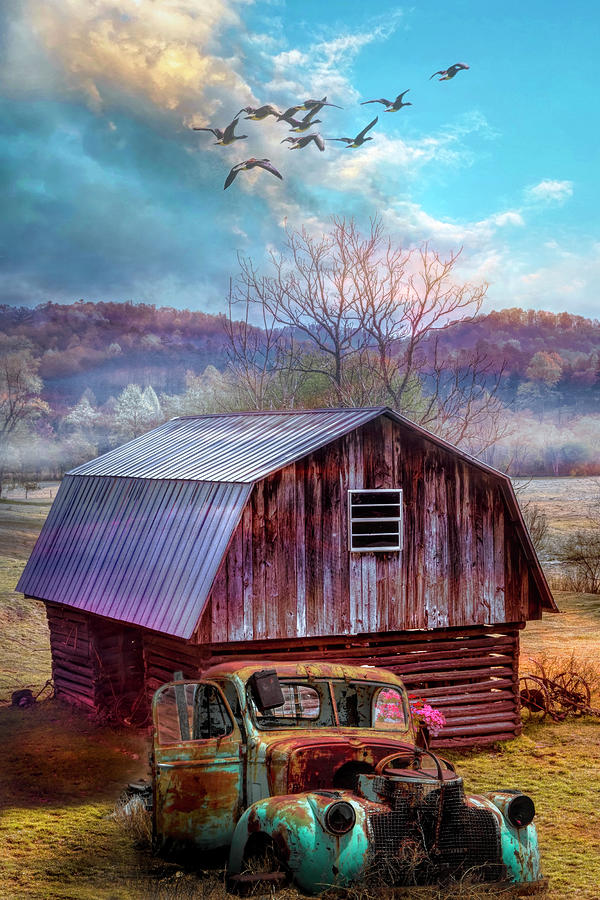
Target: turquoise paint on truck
{"type": "Point", "coordinates": [520, 849]}
{"type": "Point", "coordinates": [296, 825]}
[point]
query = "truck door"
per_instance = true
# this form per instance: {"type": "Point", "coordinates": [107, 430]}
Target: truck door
{"type": "Point", "coordinates": [197, 765]}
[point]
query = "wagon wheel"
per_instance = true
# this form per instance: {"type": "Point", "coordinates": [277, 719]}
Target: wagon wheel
{"type": "Point", "coordinates": [131, 713]}
{"type": "Point", "coordinates": [534, 697]}
{"type": "Point", "coordinates": [572, 692]}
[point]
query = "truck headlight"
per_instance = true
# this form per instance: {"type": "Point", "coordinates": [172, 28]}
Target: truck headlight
{"type": "Point", "coordinates": [339, 817]}
{"type": "Point", "coordinates": [520, 811]}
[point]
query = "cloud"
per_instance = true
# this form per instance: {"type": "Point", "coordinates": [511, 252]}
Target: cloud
{"type": "Point", "coordinates": [162, 52]}
{"type": "Point", "coordinates": [382, 178]}
{"type": "Point", "coordinates": [327, 60]}
{"type": "Point", "coordinates": [566, 276]}
{"type": "Point", "coordinates": [476, 235]}
{"type": "Point", "coordinates": [510, 217]}
{"type": "Point", "coordinates": [559, 280]}
{"type": "Point", "coordinates": [548, 191]}
{"type": "Point", "coordinates": [392, 159]}
{"type": "Point", "coordinates": [95, 210]}
{"type": "Point", "coordinates": [113, 196]}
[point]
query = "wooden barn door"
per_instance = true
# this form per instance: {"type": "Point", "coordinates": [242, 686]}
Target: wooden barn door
{"type": "Point", "coordinates": [119, 665]}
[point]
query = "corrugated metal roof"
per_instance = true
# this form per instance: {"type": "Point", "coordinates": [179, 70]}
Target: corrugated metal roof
{"type": "Point", "coordinates": [141, 551]}
{"type": "Point", "coordinates": [240, 447]}
{"type": "Point", "coordinates": [142, 543]}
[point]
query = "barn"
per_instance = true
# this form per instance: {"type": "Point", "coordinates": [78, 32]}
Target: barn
{"type": "Point", "coordinates": [340, 534]}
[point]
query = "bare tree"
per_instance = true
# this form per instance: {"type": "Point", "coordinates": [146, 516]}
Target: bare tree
{"type": "Point", "coordinates": [580, 557]}
{"type": "Point", "coordinates": [264, 370]}
{"type": "Point", "coordinates": [363, 317]}
{"type": "Point", "coordinates": [537, 524]}
{"type": "Point", "coordinates": [580, 552]}
{"type": "Point", "coordinates": [20, 401]}
{"type": "Point", "coordinates": [308, 300]}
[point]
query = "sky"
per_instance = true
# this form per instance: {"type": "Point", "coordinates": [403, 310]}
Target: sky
{"type": "Point", "coordinates": [109, 193]}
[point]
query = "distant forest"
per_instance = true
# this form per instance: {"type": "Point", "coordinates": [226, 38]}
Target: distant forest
{"type": "Point", "coordinates": [549, 361]}
{"type": "Point", "coordinates": [88, 355]}
{"type": "Point", "coordinates": [103, 347]}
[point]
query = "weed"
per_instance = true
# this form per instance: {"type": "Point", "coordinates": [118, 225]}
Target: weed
{"type": "Point", "coordinates": [551, 667]}
{"type": "Point", "coordinates": [131, 815]}
{"type": "Point", "coordinates": [467, 887]}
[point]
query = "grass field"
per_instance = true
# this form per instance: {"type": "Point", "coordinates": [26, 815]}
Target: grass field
{"type": "Point", "coordinates": [564, 500]}
{"type": "Point", "coordinates": [62, 773]}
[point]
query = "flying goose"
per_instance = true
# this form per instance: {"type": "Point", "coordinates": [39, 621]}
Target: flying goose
{"type": "Point", "coordinates": [316, 105]}
{"type": "Point", "coordinates": [299, 142]}
{"type": "Point", "coordinates": [360, 138]}
{"type": "Point", "coordinates": [259, 112]}
{"type": "Point", "coordinates": [251, 164]}
{"type": "Point", "coordinates": [392, 105]}
{"type": "Point", "coordinates": [224, 137]}
{"type": "Point", "coordinates": [450, 72]}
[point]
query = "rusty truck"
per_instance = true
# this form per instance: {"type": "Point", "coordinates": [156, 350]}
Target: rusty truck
{"type": "Point", "coordinates": [313, 772]}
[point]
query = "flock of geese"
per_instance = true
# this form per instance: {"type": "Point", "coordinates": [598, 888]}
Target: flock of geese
{"type": "Point", "coordinates": [299, 125]}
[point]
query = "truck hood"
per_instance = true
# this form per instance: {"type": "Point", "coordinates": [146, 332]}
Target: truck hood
{"type": "Point", "coordinates": [333, 760]}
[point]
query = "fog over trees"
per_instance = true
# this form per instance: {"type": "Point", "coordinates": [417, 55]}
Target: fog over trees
{"type": "Point", "coordinates": [345, 318]}
{"type": "Point", "coordinates": [21, 404]}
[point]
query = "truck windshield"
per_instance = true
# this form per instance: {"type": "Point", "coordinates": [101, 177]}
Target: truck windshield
{"type": "Point", "coordinates": [305, 705]}
{"type": "Point", "coordinates": [356, 704]}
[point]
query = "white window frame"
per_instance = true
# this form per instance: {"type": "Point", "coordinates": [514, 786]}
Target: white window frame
{"type": "Point", "coordinates": [392, 547]}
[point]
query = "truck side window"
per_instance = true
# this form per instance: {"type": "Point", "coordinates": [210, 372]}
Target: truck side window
{"type": "Point", "coordinates": [191, 712]}
{"type": "Point", "coordinates": [389, 709]}
{"type": "Point", "coordinates": [174, 713]}
{"type": "Point", "coordinates": [232, 697]}
{"type": "Point", "coordinates": [211, 718]}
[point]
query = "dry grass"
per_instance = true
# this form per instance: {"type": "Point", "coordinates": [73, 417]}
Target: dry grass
{"type": "Point", "coordinates": [575, 668]}
{"type": "Point", "coordinates": [24, 640]}
{"type": "Point", "coordinates": [131, 815]}
{"type": "Point", "coordinates": [25, 660]}
{"type": "Point", "coordinates": [20, 524]}
{"type": "Point", "coordinates": [61, 774]}
{"type": "Point", "coordinates": [574, 631]}
{"type": "Point", "coordinates": [563, 500]}
{"type": "Point", "coordinates": [465, 888]}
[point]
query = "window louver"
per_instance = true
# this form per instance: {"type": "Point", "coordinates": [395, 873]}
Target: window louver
{"type": "Point", "coordinates": [375, 520]}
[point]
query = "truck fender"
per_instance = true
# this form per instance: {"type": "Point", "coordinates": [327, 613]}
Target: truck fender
{"type": "Point", "coordinates": [520, 851]}
{"type": "Point", "coordinates": [315, 858]}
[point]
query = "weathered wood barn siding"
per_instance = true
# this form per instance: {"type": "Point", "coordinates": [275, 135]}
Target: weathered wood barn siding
{"type": "Point", "coordinates": [96, 663]}
{"type": "Point", "coordinates": [428, 613]}
{"type": "Point", "coordinates": [73, 669]}
{"type": "Point", "coordinates": [288, 572]}
{"type": "Point", "coordinates": [227, 535]}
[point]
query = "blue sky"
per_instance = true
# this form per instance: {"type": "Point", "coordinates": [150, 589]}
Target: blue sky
{"type": "Point", "coordinates": [110, 195]}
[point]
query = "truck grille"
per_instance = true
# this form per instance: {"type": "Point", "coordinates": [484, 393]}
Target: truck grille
{"type": "Point", "coordinates": [429, 833]}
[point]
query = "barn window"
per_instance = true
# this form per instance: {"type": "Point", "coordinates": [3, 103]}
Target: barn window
{"type": "Point", "coordinates": [375, 520]}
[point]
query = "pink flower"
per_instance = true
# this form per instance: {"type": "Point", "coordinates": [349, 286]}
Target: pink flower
{"type": "Point", "coordinates": [424, 714]}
